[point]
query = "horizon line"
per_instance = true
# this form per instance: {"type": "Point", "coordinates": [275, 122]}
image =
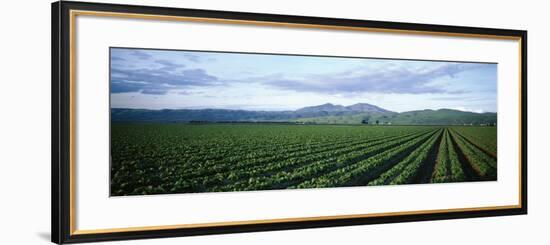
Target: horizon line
{"type": "Point", "coordinates": [289, 110]}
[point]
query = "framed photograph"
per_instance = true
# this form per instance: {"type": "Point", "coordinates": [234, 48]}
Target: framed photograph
{"type": "Point", "coordinates": [175, 122]}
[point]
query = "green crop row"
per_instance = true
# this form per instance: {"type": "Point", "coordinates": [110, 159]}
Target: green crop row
{"type": "Point", "coordinates": [350, 174]}
{"type": "Point", "coordinates": [448, 168]}
{"type": "Point", "coordinates": [325, 162]}
{"type": "Point", "coordinates": [483, 137]}
{"type": "Point", "coordinates": [483, 164]}
{"type": "Point", "coordinates": [182, 158]}
{"type": "Point", "coordinates": [418, 155]}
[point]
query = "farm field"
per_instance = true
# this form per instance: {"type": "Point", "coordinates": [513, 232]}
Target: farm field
{"type": "Point", "coordinates": [162, 158]}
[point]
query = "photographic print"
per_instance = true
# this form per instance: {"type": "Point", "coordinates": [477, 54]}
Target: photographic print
{"type": "Point", "coordinates": [195, 121]}
{"type": "Point", "coordinates": [192, 111]}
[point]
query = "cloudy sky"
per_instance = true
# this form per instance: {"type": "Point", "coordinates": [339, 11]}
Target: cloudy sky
{"type": "Point", "coordinates": [160, 79]}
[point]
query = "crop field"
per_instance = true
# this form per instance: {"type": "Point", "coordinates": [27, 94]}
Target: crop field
{"type": "Point", "coordinates": [167, 158]}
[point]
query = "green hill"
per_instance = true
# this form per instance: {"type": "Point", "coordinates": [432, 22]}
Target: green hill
{"type": "Point", "coordinates": [422, 117]}
{"type": "Point", "coordinates": [360, 113]}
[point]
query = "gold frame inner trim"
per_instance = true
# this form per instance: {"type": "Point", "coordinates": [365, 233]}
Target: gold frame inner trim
{"type": "Point", "coordinates": [281, 24]}
{"type": "Point", "coordinates": [283, 220]}
{"type": "Point", "coordinates": [72, 69]}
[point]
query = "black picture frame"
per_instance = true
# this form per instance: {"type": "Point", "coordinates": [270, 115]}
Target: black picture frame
{"type": "Point", "coordinates": [61, 120]}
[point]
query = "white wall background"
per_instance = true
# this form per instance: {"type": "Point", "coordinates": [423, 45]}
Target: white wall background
{"type": "Point", "coordinates": [25, 122]}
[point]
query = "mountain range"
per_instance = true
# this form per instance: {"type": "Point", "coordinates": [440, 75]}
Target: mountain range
{"type": "Point", "coordinates": [331, 108]}
{"type": "Point", "coordinates": [360, 113]}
